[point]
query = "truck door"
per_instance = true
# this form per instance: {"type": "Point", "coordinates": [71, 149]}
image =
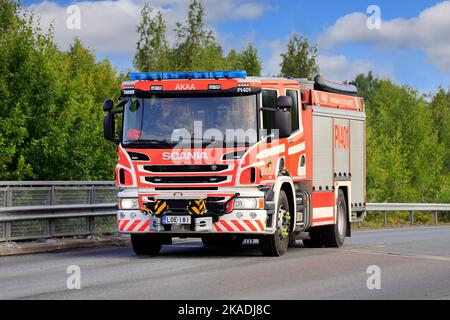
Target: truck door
{"type": "Point", "coordinates": [295, 157]}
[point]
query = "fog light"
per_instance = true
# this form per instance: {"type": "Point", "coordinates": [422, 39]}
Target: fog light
{"type": "Point", "coordinates": [239, 215]}
{"type": "Point", "coordinates": [133, 215]}
{"type": "Point", "coordinates": [253, 215]}
{"type": "Point", "coordinates": [122, 216]}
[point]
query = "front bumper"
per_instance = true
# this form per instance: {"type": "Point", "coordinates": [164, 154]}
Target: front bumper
{"type": "Point", "coordinates": [236, 222]}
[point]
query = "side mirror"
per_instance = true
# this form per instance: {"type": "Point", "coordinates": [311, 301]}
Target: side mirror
{"type": "Point", "coordinates": [282, 117]}
{"type": "Point", "coordinates": [284, 102]}
{"type": "Point", "coordinates": [109, 127]}
{"type": "Point", "coordinates": [108, 105]}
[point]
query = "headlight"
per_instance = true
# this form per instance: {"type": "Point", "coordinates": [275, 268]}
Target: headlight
{"type": "Point", "coordinates": [129, 203]}
{"type": "Point", "coordinates": [248, 203]}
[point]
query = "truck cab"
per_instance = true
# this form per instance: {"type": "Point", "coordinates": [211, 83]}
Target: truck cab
{"type": "Point", "coordinates": [227, 157]}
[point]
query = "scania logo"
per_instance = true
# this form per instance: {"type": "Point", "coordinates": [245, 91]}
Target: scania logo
{"type": "Point", "coordinates": [185, 155]}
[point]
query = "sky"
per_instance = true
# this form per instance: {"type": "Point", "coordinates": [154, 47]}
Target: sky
{"type": "Point", "coordinates": [406, 41]}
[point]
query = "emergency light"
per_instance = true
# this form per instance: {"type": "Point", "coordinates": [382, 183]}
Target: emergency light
{"type": "Point", "coordinates": [188, 75]}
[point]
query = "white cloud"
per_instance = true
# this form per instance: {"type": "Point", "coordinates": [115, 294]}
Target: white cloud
{"type": "Point", "coordinates": [428, 32]}
{"type": "Point", "coordinates": [339, 68]}
{"type": "Point", "coordinates": [109, 27]}
{"type": "Point", "coordinates": [271, 66]}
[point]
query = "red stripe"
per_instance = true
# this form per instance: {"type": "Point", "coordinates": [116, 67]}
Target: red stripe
{"type": "Point", "coordinates": [258, 222]}
{"type": "Point", "coordinates": [323, 219]}
{"type": "Point", "coordinates": [322, 199]}
{"type": "Point", "coordinates": [250, 225]}
{"type": "Point", "coordinates": [226, 225]}
{"type": "Point", "coordinates": [135, 223]}
{"type": "Point", "coordinates": [145, 225]}
{"type": "Point", "coordinates": [238, 225]}
{"type": "Point", "coordinates": [217, 227]}
{"type": "Point", "coordinates": [124, 223]}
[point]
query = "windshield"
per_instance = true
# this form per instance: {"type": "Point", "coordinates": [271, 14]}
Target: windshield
{"type": "Point", "coordinates": [168, 121]}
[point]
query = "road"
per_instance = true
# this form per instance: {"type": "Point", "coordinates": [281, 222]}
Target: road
{"type": "Point", "coordinates": [414, 264]}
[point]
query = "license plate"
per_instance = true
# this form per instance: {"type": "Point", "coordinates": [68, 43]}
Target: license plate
{"type": "Point", "coordinates": [176, 220]}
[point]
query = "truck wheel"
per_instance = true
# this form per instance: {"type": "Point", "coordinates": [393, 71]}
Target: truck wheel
{"type": "Point", "coordinates": [335, 234]}
{"type": "Point", "coordinates": [145, 244]}
{"type": "Point", "coordinates": [332, 235]}
{"type": "Point", "coordinates": [222, 241]}
{"type": "Point", "coordinates": [277, 243]}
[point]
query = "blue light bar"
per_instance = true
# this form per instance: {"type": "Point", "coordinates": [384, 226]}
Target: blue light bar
{"type": "Point", "coordinates": [230, 74]}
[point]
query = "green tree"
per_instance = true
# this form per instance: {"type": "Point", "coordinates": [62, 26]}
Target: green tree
{"type": "Point", "coordinates": [25, 80]}
{"type": "Point", "coordinates": [365, 84]}
{"type": "Point", "coordinates": [247, 60]}
{"type": "Point", "coordinates": [405, 160]}
{"type": "Point", "coordinates": [440, 108]}
{"type": "Point", "coordinates": [152, 51]}
{"type": "Point", "coordinates": [50, 114]}
{"type": "Point", "coordinates": [299, 60]}
{"type": "Point", "coordinates": [196, 47]}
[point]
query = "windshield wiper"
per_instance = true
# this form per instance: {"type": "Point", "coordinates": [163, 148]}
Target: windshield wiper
{"type": "Point", "coordinates": [156, 142]}
{"type": "Point", "coordinates": [194, 141]}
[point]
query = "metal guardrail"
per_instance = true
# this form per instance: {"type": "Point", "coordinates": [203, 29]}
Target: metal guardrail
{"type": "Point", "coordinates": [410, 207]}
{"type": "Point", "coordinates": [45, 209]}
{"type": "Point", "coordinates": [35, 193]}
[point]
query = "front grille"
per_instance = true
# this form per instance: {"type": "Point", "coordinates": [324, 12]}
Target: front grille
{"type": "Point", "coordinates": [187, 168]}
{"type": "Point", "coordinates": [186, 179]}
{"type": "Point", "coordinates": [213, 204]}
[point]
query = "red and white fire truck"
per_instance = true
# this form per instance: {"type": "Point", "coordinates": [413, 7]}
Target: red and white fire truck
{"type": "Point", "coordinates": [227, 157]}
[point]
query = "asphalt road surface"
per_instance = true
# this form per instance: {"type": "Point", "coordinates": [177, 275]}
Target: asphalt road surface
{"type": "Point", "coordinates": [414, 264]}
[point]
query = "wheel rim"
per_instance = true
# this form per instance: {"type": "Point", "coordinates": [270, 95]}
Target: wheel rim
{"type": "Point", "coordinates": [285, 222]}
{"type": "Point", "coordinates": [341, 219]}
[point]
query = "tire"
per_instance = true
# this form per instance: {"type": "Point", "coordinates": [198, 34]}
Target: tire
{"type": "Point", "coordinates": [276, 244]}
{"type": "Point", "coordinates": [145, 244]}
{"type": "Point", "coordinates": [332, 235]}
{"type": "Point", "coordinates": [222, 241]}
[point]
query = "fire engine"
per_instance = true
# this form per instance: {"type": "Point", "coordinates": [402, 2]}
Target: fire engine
{"type": "Point", "coordinates": [226, 157]}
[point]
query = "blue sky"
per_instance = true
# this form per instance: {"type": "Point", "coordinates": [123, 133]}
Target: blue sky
{"type": "Point", "coordinates": [412, 46]}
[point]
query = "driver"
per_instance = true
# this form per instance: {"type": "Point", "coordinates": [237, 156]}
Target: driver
{"type": "Point", "coordinates": [163, 121]}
